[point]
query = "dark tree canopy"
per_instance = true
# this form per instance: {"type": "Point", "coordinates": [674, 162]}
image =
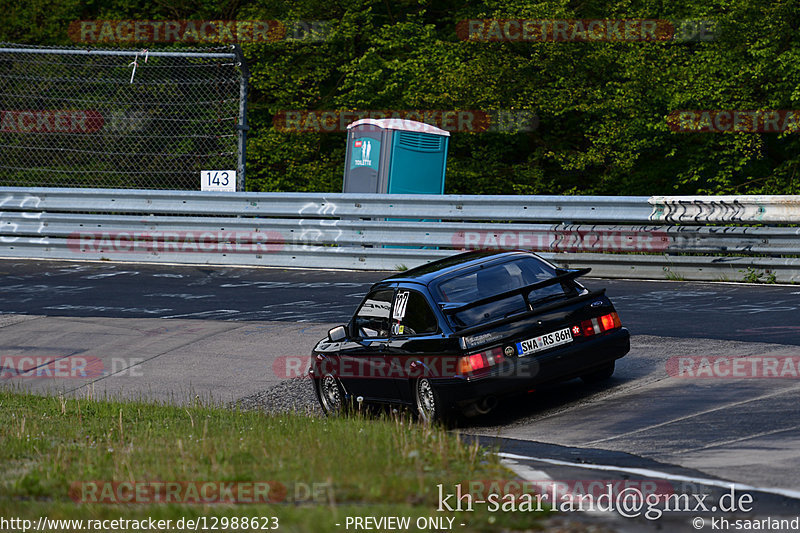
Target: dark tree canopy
{"type": "Point", "coordinates": [602, 107]}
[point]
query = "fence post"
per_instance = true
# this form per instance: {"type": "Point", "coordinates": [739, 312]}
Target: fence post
{"type": "Point", "coordinates": [242, 127]}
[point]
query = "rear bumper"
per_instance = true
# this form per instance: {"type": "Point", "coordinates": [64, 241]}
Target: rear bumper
{"type": "Point", "coordinates": [524, 373]}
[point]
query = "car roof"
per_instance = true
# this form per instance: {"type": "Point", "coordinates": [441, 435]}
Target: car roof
{"type": "Point", "coordinates": [428, 272]}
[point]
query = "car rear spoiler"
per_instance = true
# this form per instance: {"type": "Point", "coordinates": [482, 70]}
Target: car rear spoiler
{"type": "Point", "coordinates": [525, 314]}
{"type": "Point", "coordinates": [525, 291]}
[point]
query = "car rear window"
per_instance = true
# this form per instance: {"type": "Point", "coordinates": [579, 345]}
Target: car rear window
{"type": "Point", "coordinates": [491, 280]}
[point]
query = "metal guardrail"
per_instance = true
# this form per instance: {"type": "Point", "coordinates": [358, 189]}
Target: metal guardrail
{"type": "Point", "coordinates": [631, 237]}
{"type": "Point", "coordinates": [745, 209]}
{"type": "Point", "coordinates": [451, 207]}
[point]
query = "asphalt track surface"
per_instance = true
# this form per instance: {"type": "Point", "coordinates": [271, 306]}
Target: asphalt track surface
{"type": "Point", "coordinates": [749, 313]}
{"type": "Point", "coordinates": [174, 332]}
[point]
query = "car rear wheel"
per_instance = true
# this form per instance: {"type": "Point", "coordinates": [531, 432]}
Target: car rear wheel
{"type": "Point", "coordinates": [331, 395]}
{"type": "Point", "coordinates": [426, 400]}
{"type": "Point", "coordinates": [601, 374]}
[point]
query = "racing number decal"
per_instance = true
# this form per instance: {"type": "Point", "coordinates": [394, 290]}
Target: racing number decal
{"type": "Point", "coordinates": [400, 304]}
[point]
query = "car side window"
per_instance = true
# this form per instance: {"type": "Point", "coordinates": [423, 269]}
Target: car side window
{"type": "Point", "coordinates": [372, 318]}
{"type": "Point", "coordinates": [412, 315]}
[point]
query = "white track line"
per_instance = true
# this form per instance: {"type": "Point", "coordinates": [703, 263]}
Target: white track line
{"type": "Point", "coordinates": [734, 441]}
{"type": "Point", "coordinates": [527, 473]}
{"type": "Point", "coordinates": [788, 493]}
{"type": "Point", "coordinates": [787, 390]}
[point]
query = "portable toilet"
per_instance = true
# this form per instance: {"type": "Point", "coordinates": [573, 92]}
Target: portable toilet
{"type": "Point", "coordinates": [396, 156]}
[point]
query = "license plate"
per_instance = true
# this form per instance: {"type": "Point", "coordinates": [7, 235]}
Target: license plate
{"type": "Point", "coordinates": [543, 342]}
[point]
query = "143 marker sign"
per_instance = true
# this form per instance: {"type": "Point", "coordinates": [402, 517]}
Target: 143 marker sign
{"type": "Point", "coordinates": [218, 180]}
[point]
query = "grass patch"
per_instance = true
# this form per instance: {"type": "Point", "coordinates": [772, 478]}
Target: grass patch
{"type": "Point", "coordinates": [673, 276]}
{"type": "Point", "coordinates": [329, 468]}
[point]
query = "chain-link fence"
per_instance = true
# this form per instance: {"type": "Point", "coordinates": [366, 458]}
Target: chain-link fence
{"type": "Point", "coordinates": [120, 118]}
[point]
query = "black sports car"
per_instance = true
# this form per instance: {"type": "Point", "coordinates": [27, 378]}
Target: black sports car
{"type": "Point", "coordinates": [456, 334]}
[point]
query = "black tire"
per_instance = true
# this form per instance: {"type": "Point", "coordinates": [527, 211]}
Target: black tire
{"type": "Point", "coordinates": [428, 405]}
{"type": "Point", "coordinates": [600, 374]}
{"type": "Point", "coordinates": [331, 395]}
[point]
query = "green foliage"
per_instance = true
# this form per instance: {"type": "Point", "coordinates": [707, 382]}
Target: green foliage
{"type": "Point", "coordinates": [752, 275]}
{"type": "Point", "coordinates": [602, 106]}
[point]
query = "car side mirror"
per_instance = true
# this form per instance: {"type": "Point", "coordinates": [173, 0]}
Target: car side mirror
{"type": "Point", "coordinates": [337, 334]}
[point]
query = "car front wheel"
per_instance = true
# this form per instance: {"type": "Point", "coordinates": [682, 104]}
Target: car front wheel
{"type": "Point", "coordinates": [331, 395]}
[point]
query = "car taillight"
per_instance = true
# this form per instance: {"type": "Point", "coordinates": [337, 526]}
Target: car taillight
{"type": "Point", "coordinates": [597, 325]}
{"type": "Point", "coordinates": [480, 360]}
